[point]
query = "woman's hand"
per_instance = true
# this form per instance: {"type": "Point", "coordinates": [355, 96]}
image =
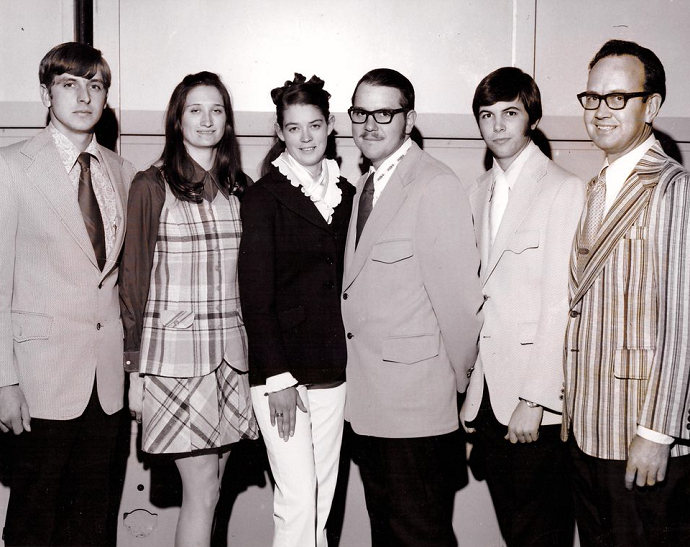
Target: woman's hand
{"type": "Point", "coordinates": [283, 407]}
{"type": "Point", "coordinates": [136, 395]}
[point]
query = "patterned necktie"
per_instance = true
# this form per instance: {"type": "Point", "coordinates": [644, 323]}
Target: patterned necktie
{"type": "Point", "coordinates": [366, 204]}
{"type": "Point", "coordinates": [596, 200]}
{"type": "Point", "coordinates": [499, 202]}
{"type": "Point", "coordinates": [90, 210]}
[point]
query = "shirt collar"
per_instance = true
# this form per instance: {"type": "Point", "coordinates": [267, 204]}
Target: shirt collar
{"type": "Point", "coordinates": [514, 169]}
{"type": "Point", "coordinates": [391, 161]}
{"type": "Point", "coordinates": [200, 174]}
{"type": "Point", "coordinates": [68, 151]}
{"type": "Point", "coordinates": [623, 166]}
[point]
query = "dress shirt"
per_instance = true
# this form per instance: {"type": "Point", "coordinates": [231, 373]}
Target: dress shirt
{"type": "Point", "coordinates": [102, 187]}
{"type": "Point", "coordinates": [506, 178]}
{"type": "Point", "coordinates": [616, 175]}
{"type": "Point", "coordinates": [385, 171]}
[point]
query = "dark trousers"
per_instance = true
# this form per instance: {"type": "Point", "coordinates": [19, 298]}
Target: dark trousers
{"type": "Point", "coordinates": [409, 485]}
{"type": "Point", "coordinates": [528, 482]}
{"type": "Point", "coordinates": [61, 484]}
{"type": "Point", "coordinates": [608, 515]}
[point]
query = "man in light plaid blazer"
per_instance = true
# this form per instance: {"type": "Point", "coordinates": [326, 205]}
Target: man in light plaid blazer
{"type": "Point", "coordinates": [627, 354]}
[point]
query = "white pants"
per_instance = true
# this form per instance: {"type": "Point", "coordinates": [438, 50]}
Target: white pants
{"type": "Point", "coordinates": [305, 468]}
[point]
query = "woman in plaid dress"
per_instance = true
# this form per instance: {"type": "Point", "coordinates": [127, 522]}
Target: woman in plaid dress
{"type": "Point", "coordinates": [185, 344]}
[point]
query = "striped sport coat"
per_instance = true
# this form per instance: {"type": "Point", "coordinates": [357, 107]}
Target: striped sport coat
{"type": "Point", "coordinates": [627, 352]}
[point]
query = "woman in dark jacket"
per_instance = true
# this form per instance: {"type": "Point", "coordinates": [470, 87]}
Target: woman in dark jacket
{"type": "Point", "coordinates": [295, 220]}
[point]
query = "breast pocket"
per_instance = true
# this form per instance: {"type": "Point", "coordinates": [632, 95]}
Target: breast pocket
{"type": "Point", "coordinates": [392, 251]}
{"type": "Point", "coordinates": [521, 241]}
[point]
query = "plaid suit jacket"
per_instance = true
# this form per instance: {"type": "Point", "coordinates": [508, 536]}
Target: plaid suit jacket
{"type": "Point", "coordinates": [627, 352]}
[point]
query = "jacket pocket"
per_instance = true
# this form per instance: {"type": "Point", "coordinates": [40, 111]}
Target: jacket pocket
{"type": "Point", "coordinates": [289, 319]}
{"type": "Point", "coordinates": [410, 349]}
{"type": "Point", "coordinates": [31, 326]}
{"type": "Point", "coordinates": [391, 251]}
{"type": "Point", "coordinates": [177, 319]}
{"type": "Point", "coordinates": [521, 241]}
{"type": "Point", "coordinates": [633, 364]}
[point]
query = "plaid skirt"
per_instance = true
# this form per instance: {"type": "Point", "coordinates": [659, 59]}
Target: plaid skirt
{"type": "Point", "coordinates": [182, 415]}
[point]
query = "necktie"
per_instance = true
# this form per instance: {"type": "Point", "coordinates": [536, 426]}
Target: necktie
{"type": "Point", "coordinates": [366, 204]}
{"type": "Point", "coordinates": [596, 200]}
{"type": "Point", "coordinates": [499, 202]}
{"type": "Point", "coordinates": [90, 210]}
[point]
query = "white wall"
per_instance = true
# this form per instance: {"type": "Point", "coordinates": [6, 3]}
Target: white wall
{"type": "Point", "coordinates": [444, 46]}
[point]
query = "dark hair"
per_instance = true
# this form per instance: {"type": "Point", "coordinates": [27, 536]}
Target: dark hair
{"type": "Point", "coordinates": [387, 77]}
{"type": "Point", "coordinates": [508, 84]}
{"type": "Point", "coordinates": [297, 91]}
{"type": "Point", "coordinates": [177, 168]}
{"type": "Point", "coordinates": [73, 58]}
{"type": "Point", "coordinates": [654, 74]}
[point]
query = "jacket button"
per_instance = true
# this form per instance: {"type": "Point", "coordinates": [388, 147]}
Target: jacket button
{"type": "Point", "coordinates": [345, 296]}
{"type": "Point", "coordinates": [98, 326]}
{"type": "Point", "coordinates": [574, 313]}
{"type": "Point", "coordinates": [486, 297]}
{"type": "Point", "coordinates": [350, 336]}
{"type": "Point", "coordinates": [583, 251]}
{"type": "Point", "coordinates": [100, 285]}
{"type": "Point", "coordinates": [560, 397]}
{"type": "Point", "coordinates": [329, 260]}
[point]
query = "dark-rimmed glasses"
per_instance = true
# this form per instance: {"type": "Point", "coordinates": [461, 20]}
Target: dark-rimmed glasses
{"type": "Point", "coordinates": [383, 116]}
{"type": "Point", "coordinates": [615, 101]}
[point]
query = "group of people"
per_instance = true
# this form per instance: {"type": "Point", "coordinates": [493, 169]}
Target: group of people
{"type": "Point", "coordinates": [300, 305]}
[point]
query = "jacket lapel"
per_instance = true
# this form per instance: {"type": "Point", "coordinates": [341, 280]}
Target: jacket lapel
{"type": "Point", "coordinates": [522, 199]}
{"type": "Point", "coordinates": [387, 205]}
{"type": "Point", "coordinates": [293, 198]}
{"type": "Point", "coordinates": [46, 171]}
{"type": "Point", "coordinates": [479, 202]}
{"type": "Point", "coordinates": [625, 210]}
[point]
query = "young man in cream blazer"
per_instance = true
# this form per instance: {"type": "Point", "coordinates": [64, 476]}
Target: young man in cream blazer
{"type": "Point", "coordinates": [526, 210]}
{"type": "Point", "coordinates": [62, 219]}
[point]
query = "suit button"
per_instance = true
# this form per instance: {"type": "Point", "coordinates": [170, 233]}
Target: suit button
{"type": "Point", "coordinates": [583, 251]}
{"type": "Point", "coordinates": [329, 284]}
{"type": "Point", "coordinates": [560, 397]}
{"type": "Point", "coordinates": [574, 313]}
{"type": "Point", "coordinates": [345, 296]}
{"type": "Point", "coordinates": [329, 260]}
{"type": "Point", "coordinates": [98, 326]}
{"type": "Point", "coordinates": [486, 297]}
{"type": "Point", "coordinates": [350, 336]}
{"type": "Point", "coordinates": [100, 285]}
{"type": "Point", "coordinates": [687, 426]}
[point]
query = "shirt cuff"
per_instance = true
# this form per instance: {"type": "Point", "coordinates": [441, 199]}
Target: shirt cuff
{"type": "Point", "coordinates": [653, 436]}
{"type": "Point", "coordinates": [279, 382]}
{"type": "Point", "coordinates": [131, 361]}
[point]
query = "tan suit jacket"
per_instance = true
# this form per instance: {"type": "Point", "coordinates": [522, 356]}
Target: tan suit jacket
{"type": "Point", "coordinates": [628, 342]}
{"type": "Point", "coordinates": [59, 314]}
{"type": "Point", "coordinates": [411, 300]}
{"type": "Point", "coordinates": [525, 283]}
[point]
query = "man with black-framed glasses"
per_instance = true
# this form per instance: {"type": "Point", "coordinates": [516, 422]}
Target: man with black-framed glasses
{"type": "Point", "coordinates": [410, 303]}
{"type": "Point", "coordinates": [627, 370]}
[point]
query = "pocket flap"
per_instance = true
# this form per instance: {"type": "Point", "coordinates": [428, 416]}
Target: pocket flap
{"type": "Point", "coordinates": [520, 241]}
{"type": "Point", "coordinates": [177, 319]}
{"type": "Point", "coordinates": [410, 349]}
{"type": "Point", "coordinates": [392, 251]}
{"type": "Point", "coordinates": [289, 319]}
{"type": "Point", "coordinates": [30, 326]}
{"type": "Point", "coordinates": [633, 364]}
{"type": "Point", "coordinates": [527, 332]}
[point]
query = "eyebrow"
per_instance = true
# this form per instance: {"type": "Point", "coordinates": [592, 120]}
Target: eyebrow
{"type": "Point", "coordinates": [312, 121]}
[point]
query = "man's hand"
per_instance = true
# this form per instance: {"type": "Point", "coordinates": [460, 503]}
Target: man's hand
{"type": "Point", "coordinates": [14, 410]}
{"type": "Point", "coordinates": [647, 460]}
{"type": "Point", "coordinates": [283, 407]}
{"type": "Point", "coordinates": [136, 395]}
{"type": "Point", "coordinates": [524, 424]}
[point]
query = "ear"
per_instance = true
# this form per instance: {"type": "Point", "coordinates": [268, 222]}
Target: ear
{"type": "Point", "coordinates": [652, 108]}
{"type": "Point", "coordinates": [410, 120]}
{"type": "Point", "coordinates": [331, 123]}
{"type": "Point", "coordinates": [535, 124]}
{"type": "Point", "coordinates": [279, 132]}
{"type": "Point", "coordinates": [45, 96]}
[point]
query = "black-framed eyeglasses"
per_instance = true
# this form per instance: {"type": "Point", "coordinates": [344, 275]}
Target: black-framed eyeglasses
{"type": "Point", "coordinates": [615, 101]}
{"type": "Point", "coordinates": [383, 116]}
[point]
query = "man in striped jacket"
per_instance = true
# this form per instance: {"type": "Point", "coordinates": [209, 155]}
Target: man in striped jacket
{"type": "Point", "coordinates": [627, 367]}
